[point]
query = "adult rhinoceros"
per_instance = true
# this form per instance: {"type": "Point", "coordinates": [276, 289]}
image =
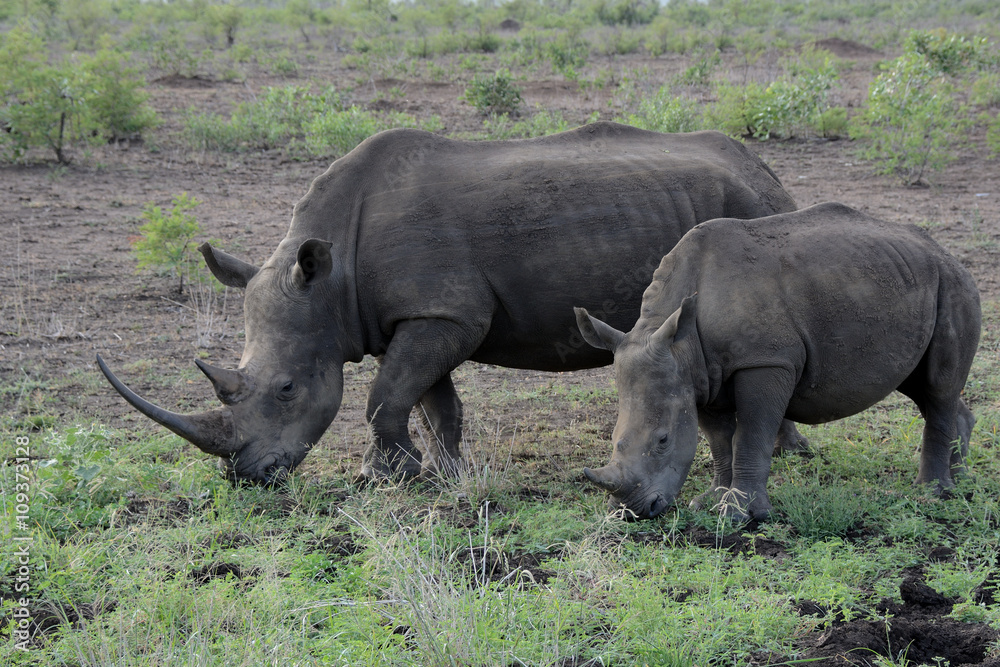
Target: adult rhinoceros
{"type": "Point", "coordinates": [810, 316]}
{"type": "Point", "coordinates": [426, 252]}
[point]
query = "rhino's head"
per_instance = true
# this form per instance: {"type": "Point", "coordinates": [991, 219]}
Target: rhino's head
{"type": "Point", "coordinates": [657, 429]}
{"type": "Point", "coordinates": [289, 384]}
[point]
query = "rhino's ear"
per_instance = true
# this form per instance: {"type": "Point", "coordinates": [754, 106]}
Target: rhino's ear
{"type": "Point", "coordinates": [599, 334]}
{"type": "Point", "coordinates": [313, 263]}
{"type": "Point", "coordinates": [679, 325]}
{"type": "Point", "coordinates": [230, 271]}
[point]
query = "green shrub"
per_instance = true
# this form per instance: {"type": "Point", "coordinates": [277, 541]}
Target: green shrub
{"type": "Point", "coordinates": [54, 106]}
{"type": "Point", "coordinates": [494, 94]}
{"type": "Point", "coordinates": [117, 97]}
{"type": "Point", "coordinates": [626, 12]}
{"type": "Point", "coordinates": [540, 124]}
{"type": "Point", "coordinates": [567, 53]}
{"type": "Point", "coordinates": [700, 73]}
{"type": "Point", "coordinates": [43, 104]}
{"type": "Point", "coordinates": [734, 110]}
{"type": "Point", "coordinates": [666, 112]}
{"type": "Point", "coordinates": [485, 42]}
{"type": "Point", "coordinates": [272, 121]}
{"type": "Point", "coordinates": [831, 124]}
{"type": "Point", "coordinates": [792, 104]}
{"type": "Point", "coordinates": [986, 90]}
{"type": "Point", "coordinates": [336, 133]}
{"type": "Point", "coordinates": [947, 52]}
{"type": "Point", "coordinates": [993, 135]}
{"type": "Point", "coordinates": [172, 55]}
{"type": "Point", "coordinates": [166, 240]}
{"type": "Point", "coordinates": [911, 120]}
{"type": "Point", "coordinates": [304, 123]}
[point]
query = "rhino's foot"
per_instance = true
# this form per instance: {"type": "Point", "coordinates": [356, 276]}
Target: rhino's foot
{"type": "Point", "coordinates": [790, 441]}
{"type": "Point", "coordinates": [443, 468]}
{"type": "Point", "coordinates": [394, 465]}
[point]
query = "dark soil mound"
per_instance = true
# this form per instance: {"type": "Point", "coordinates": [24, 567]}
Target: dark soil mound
{"type": "Point", "coordinates": [916, 630]}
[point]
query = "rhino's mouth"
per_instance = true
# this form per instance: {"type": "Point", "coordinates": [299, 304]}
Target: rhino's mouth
{"type": "Point", "coordinates": [646, 508]}
{"type": "Point", "coordinates": [273, 470]}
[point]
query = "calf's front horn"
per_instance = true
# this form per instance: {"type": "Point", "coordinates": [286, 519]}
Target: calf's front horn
{"type": "Point", "coordinates": [212, 432]}
{"type": "Point", "coordinates": [604, 477]}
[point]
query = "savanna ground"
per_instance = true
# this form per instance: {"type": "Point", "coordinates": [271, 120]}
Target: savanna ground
{"type": "Point", "coordinates": [138, 552]}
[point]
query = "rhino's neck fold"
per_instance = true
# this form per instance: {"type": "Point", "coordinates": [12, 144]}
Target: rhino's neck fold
{"type": "Point", "coordinates": [691, 360]}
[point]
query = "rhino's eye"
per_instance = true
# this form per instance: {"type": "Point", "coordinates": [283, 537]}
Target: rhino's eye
{"type": "Point", "coordinates": [287, 392]}
{"type": "Point", "coordinates": [662, 440]}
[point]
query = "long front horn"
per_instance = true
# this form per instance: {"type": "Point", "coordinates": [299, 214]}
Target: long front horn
{"type": "Point", "coordinates": [230, 386]}
{"type": "Point", "coordinates": [212, 432]}
{"type": "Point", "coordinates": [607, 479]}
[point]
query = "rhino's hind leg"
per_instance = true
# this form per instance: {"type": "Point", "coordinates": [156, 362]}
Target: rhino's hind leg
{"type": "Point", "coordinates": [421, 353]}
{"type": "Point", "coordinates": [790, 441]}
{"type": "Point", "coordinates": [440, 411]}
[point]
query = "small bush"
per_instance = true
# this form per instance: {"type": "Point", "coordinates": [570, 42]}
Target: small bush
{"type": "Point", "coordinates": [117, 98]}
{"type": "Point", "coordinates": [567, 53]}
{"type": "Point", "coordinates": [832, 123]}
{"type": "Point", "coordinates": [789, 106]}
{"type": "Point", "coordinates": [166, 240]}
{"type": "Point", "coordinates": [494, 94]}
{"type": "Point", "coordinates": [666, 112]}
{"type": "Point", "coordinates": [947, 52]}
{"type": "Point", "coordinates": [337, 133]}
{"type": "Point", "coordinates": [54, 106]}
{"type": "Point", "coordinates": [540, 124]}
{"type": "Point", "coordinates": [986, 90]}
{"type": "Point", "coordinates": [700, 73]}
{"type": "Point", "coordinates": [626, 12]}
{"type": "Point", "coordinates": [993, 135]}
{"type": "Point", "coordinates": [304, 123]}
{"type": "Point", "coordinates": [911, 120]}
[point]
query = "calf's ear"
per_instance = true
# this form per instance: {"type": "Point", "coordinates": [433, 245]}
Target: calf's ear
{"type": "Point", "coordinates": [313, 263]}
{"type": "Point", "coordinates": [229, 270]}
{"type": "Point", "coordinates": [679, 325]}
{"type": "Point", "coordinates": [597, 333]}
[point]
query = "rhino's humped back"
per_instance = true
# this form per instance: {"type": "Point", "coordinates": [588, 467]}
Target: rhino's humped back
{"type": "Point", "coordinates": [848, 302]}
{"type": "Point", "coordinates": [519, 232]}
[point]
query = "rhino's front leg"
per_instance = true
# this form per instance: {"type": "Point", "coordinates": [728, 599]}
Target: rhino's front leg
{"type": "Point", "coordinates": [718, 428]}
{"type": "Point", "coordinates": [421, 353]}
{"type": "Point", "coordinates": [762, 396]}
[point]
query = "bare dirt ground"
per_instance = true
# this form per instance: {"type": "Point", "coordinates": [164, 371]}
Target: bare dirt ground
{"type": "Point", "coordinates": [70, 289]}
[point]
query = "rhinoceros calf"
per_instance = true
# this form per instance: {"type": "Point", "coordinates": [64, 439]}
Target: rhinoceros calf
{"type": "Point", "coordinates": [425, 252]}
{"type": "Point", "coordinates": [810, 316]}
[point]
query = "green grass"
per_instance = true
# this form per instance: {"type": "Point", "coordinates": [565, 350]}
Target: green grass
{"type": "Point", "coordinates": [141, 554]}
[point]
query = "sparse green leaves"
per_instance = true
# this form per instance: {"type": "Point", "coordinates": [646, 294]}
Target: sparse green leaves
{"type": "Point", "coordinates": [297, 119]}
{"type": "Point", "coordinates": [82, 99]}
{"type": "Point", "coordinates": [494, 94]}
{"type": "Point", "coordinates": [166, 242]}
{"type": "Point", "coordinates": [912, 120]}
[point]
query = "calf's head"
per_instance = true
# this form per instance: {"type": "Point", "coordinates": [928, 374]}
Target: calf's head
{"type": "Point", "coordinates": [657, 429]}
{"type": "Point", "coordinates": [289, 384]}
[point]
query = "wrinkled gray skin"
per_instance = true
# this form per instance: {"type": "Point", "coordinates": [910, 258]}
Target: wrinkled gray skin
{"type": "Point", "coordinates": [425, 252]}
{"type": "Point", "coordinates": [809, 316]}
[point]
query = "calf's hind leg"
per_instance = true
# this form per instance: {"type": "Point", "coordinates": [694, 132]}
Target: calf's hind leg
{"type": "Point", "coordinates": [947, 428]}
